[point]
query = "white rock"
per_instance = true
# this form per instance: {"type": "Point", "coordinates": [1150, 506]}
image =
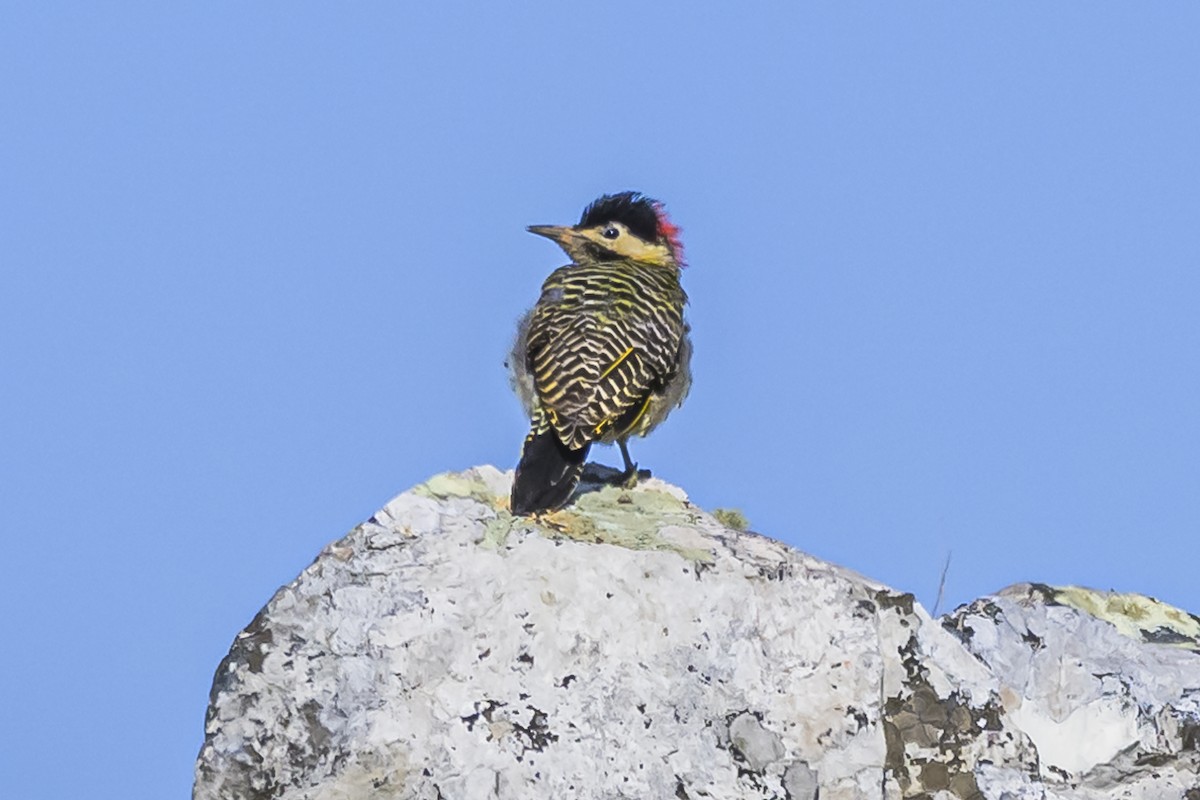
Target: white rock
{"type": "Point", "coordinates": [631, 646]}
{"type": "Point", "coordinates": [1107, 686]}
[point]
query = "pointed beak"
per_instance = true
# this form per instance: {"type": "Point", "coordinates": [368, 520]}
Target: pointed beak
{"type": "Point", "coordinates": [557, 233]}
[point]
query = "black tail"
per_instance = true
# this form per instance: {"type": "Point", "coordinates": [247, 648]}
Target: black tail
{"type": "Point", "coordinates": [547, 474]}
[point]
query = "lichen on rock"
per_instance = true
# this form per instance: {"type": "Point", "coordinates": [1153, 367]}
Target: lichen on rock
{"type": "Point", "coordinates": [634, 646]}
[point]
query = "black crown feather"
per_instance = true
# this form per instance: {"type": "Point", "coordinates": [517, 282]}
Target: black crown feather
{"type": "Point", "coordinates": [631, 209]}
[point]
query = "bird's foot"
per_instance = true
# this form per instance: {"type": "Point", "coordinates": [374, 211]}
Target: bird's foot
{"type": "Point", "coordinates": [631, 476]}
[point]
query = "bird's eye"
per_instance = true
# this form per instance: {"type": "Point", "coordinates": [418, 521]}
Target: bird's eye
{"type": "Point", "coordinates": [611, 232]}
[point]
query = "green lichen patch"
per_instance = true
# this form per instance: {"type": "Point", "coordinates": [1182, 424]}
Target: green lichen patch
{"type": "Point", "coordinates": [618, 505]}
{"type": "Point", "coordinates": [456, 484]}
{"type": "Point", "coordinates": [731, 518]}
{"type": "Point", "coordinates": [627, 518]}
{"type": "Point", "coordinates": [496, 530]}
{"type": "Point", "coordinates": [1135, 615]}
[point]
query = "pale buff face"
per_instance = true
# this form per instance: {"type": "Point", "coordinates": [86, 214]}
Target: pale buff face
{"type": "Point", "coordinates": [585, 244]}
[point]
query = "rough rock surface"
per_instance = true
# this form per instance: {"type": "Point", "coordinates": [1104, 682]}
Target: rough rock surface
{"type": "Point", "coordinates": [631, 646]}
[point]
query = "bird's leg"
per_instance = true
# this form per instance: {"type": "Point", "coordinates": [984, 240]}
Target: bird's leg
{"type": "Point", "coordinates": [630, 478]}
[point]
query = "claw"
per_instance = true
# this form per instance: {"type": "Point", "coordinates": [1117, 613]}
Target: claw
{"type": "Point", "coordinates": [630, 478]}
{"type": "Point", "coordinates": [632, 474]}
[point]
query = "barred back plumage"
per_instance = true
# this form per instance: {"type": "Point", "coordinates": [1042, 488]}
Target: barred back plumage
{"type": "Point", "coordinates": [603, 355]}
{"type": "Point", "coordinates": [603, 339]}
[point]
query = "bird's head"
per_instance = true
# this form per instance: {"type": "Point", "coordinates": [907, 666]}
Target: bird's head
{"type": "Point", "coordinates": [620, 226]}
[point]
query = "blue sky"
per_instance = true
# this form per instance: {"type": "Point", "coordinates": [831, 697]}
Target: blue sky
{"type": "Point", "coordinates": [259, 267]}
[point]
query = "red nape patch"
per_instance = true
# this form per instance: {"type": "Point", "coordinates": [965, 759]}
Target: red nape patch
{"type": "Point", "coordinates": [670, 231]}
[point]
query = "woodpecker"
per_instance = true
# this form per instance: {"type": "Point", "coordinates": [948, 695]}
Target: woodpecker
{"type": "Point", "coordinates": [605, 352]}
